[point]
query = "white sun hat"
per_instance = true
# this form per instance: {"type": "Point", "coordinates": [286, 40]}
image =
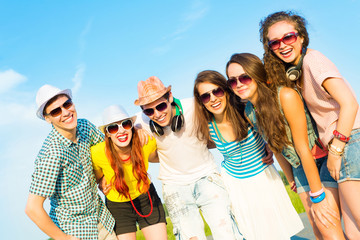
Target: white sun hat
{"type": "Point", "coordinates": [114, 113]}
{"type": "Point", "coordinates": [44, 94]}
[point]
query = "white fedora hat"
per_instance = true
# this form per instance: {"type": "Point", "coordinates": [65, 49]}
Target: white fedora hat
{"type": "Point", "coordinates": [114, 113]}
{"type": "Point", "coordinates": [44, 94]}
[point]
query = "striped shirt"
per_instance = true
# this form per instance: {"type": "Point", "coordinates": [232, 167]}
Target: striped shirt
{"type": "Point", "coordinates": [63, 172]}
{"type": "Point", "coordinates": [241, 159]}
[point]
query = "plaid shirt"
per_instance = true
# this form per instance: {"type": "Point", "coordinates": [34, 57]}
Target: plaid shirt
{"type": "Point", "coordinates": [64, 173]}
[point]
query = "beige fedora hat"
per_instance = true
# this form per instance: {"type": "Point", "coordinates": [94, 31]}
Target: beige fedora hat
{"type": "Point", "coordinates": [150, 90]}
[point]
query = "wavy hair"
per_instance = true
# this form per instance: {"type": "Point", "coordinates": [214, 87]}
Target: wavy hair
{"type": "Point", "coordinates": [234, 108]}
{"type": "Point", "coordinates": [275, 67]}
{"type": "Point", "coordinates": [136, 158]}
{"type": "Point", "coordinates": [269, 118]}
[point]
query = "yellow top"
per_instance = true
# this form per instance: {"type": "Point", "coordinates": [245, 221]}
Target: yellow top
{"type": "Point", "coordinates": [101, 162]}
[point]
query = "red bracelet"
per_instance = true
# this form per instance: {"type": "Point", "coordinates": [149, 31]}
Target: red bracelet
{"type": "Point", "coordinates": [341, 137]}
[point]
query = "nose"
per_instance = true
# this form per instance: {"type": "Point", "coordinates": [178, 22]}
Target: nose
{"type": "Point", "coordinates": [282, 44]}
{"type": "Point", "coordinates": [65, 112]}
{"type": "Point", "coordinates": [238, 83]}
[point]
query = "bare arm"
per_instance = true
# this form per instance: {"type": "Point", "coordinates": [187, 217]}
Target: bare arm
{"type": "Point", "coordinates": [342, 94]}
{"type": "Point", "coordinates": [36, 212]}
{"type": "Point", "coordinates": [295, 115]}
{"type": "Point", "coordinates": [153, 157]}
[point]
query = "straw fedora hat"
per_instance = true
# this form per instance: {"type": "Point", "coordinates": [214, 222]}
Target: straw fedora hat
{"type": "Point", "coordinates": [44, 94]}
{"type": "Point", "coordinates": [114, 113]}
{"type": "Point", "coordinates": [150, 90]}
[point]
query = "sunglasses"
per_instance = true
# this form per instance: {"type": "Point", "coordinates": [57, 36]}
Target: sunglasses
{"type": "Point", "coordinates": [217, 92]}
{"type": "Point", "coordinates": [160, 107]}
{"type": "Point", "coordinates": [244, 79]}
{"type": "Point", "coordinates": [287, 39]}
{"type": "Point", "coordinates": [57, 111]}
{"type": "Point", "coordinates": [115, 127]}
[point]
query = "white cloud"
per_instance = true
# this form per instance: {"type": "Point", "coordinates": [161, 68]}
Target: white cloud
{"type": "Point", "coordinates": [77, 79]}
{"type": "Point", "coordinates": [10, 79]}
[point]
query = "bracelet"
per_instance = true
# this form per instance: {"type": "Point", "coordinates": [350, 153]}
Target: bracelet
{"type": "Point", "coordinates": [335, 150]}
{"type": "Point", "coordinates": [335, 153]}
{"type": "Point", "coordinates": [341, 137]}
{"type": "Point", "coordinates": [318, 199]}
{"type": "Point", "coordinates": [316, 194]}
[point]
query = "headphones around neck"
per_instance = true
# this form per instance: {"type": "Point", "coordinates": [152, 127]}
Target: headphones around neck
{"type": "Point", "coordinates": [293, 73]}
{"type": "Point", "coordinates": [176, 123]}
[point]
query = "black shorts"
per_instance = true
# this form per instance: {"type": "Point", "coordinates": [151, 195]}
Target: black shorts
{"type": "Point", "coordinates": [126, 217]}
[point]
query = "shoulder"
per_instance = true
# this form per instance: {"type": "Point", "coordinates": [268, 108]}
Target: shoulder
{"type": "Point", "coordinates": [288, 94]}
{"type": "Point", "coordinates": [314, 58]}
{"type": "Point", "coordinates": [98, 148]}
{"type": "Point", "coordinates": [187, 103]}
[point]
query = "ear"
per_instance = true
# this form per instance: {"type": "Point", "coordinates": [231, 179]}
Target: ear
{"type": "Point", "coordinates": [171, 98]}
{"type": "Point", "coordinates": [47, 119]}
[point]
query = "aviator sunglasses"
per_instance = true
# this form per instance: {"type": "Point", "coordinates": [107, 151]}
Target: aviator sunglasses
{"type": "Point", "coordinates": [114, 128]}
{"type": "Point", "coordinates": [217, 92]}
{"type": "Point", "coordinates": [287, 39]}
{"type": "Point", "coordinates": [160, 107]}
{"type": "Point", "coordinates": [244, 79]}
{"type": "Point", "coordinates": [57, 111]}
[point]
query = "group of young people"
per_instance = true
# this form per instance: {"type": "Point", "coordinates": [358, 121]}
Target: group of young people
{"type": "Point", "coordinates": [293, 103]}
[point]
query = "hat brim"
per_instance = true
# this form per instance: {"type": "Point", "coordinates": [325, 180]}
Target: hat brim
{"type": "Point", "coordinates": [149, 99]}
{"type": "Point", "coordinates": [39, 112]}
{"type": "Point", "coordinates": [102, 127]}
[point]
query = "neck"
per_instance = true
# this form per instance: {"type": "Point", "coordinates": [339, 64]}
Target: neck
{"type": "Point", "coordinates": [69, 134]}
{"type": "Point", "coordinates": [220, 118]}
{"type": "Point", "coordinates": [253, 99]}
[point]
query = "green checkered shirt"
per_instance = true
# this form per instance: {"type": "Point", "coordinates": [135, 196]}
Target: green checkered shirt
{"type": "Point", "coordinates": [64, 173]}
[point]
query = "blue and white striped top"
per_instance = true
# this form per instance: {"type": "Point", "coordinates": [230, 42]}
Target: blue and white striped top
{"type": "Point", "coordinates": [241, 159]}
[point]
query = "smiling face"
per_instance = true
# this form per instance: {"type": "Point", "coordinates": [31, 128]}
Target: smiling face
{"type": "Point", "coordinates": [122, 137]}
{"type": "Point", "coordinates": [216, 105]}
{"type": "Point", "coordinates": [163, 118]}
{"type": "Point", "coordinates": [66, 122]}
{"type": "Point", "coordinates": [244, 91]}
{"type": "Point", "coordinates": [290, 53]}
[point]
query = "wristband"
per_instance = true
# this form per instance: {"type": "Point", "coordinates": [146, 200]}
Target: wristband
{"type": "Point", "coordinates": [318, 199]}
{"type": "Point", "coordinates": [315, 194]}
{"type": "Point", "coordinates": [341, 137]}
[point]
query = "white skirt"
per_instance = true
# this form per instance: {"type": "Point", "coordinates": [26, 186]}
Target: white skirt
{"type": "Point", "coordinates": [262, 207]}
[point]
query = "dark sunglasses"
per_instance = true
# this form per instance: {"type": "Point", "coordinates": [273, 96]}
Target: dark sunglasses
{"type": "Point", "coordinates": [114, 128]}
{"type": "Point", "coordinates": [287, 39]}
{"type": "Point", "coordinates": [160, 107]}
{"type": "Point", "coordinates": [244, 79]}
{"type": "Point", "coordinates": [57, 111]}
{"type": "Point", "coordinates": [217, 92]}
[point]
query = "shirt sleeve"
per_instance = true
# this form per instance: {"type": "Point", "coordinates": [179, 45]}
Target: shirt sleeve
{"type": "Point", "coordinates": [45, 176]}
{"type": "Point", "coordinates": [96, 135]}
{"type": "Point", "coordinates": [320, 68]}
{"type": "Point", "coordinates": [95, 157]}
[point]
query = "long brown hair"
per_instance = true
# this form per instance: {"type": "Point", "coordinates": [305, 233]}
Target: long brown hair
{"type": "Point", "coordinates": [274, 66]}
{"type": "Point", "coordinates": [233, 109]}
{"type": "Point", "coordinates": [136, 158]}
{"type": "Point", "coordinates": [269, 118]}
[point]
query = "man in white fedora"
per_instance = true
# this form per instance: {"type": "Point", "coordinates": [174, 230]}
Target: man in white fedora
{"type": "Point", "coordinates": [64, 174]}
{"type": "Point", "coordinates": [188, 172]}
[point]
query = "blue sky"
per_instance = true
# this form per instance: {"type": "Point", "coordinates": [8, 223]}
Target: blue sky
{"type": "Point", "coordinates": [101, 49]}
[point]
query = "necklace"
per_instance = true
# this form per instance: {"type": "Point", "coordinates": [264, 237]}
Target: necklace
{"type": "Point", "coordinates": [124, 160]}
{"type": "Point", "coordinates": [222, 139]}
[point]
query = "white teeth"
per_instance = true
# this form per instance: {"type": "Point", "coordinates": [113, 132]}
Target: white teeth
{"type": "Point", "coordinates": [161, 119]}
{"type": "Point", "coordinates": [122, 137]}
{"type": "Point", "coordinates": [286, 52]}
{"type": "Point", "coordinates": [215, 105]}
{"type": "Point", "coordinates": [69, 119]}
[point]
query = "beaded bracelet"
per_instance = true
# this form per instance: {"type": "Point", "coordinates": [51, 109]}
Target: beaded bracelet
{"type": "Point", "coordinates": [341, 137]}
{"type": "Point", "coordinates": [318, 199]}
{"type": "Point", "coordinates": [315, 194]}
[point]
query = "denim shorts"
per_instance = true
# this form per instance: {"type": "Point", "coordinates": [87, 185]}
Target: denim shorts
{"type": "Point", "coordinates": [302, 183]}
{"type": "Point", "coordinates": [350, 161]}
